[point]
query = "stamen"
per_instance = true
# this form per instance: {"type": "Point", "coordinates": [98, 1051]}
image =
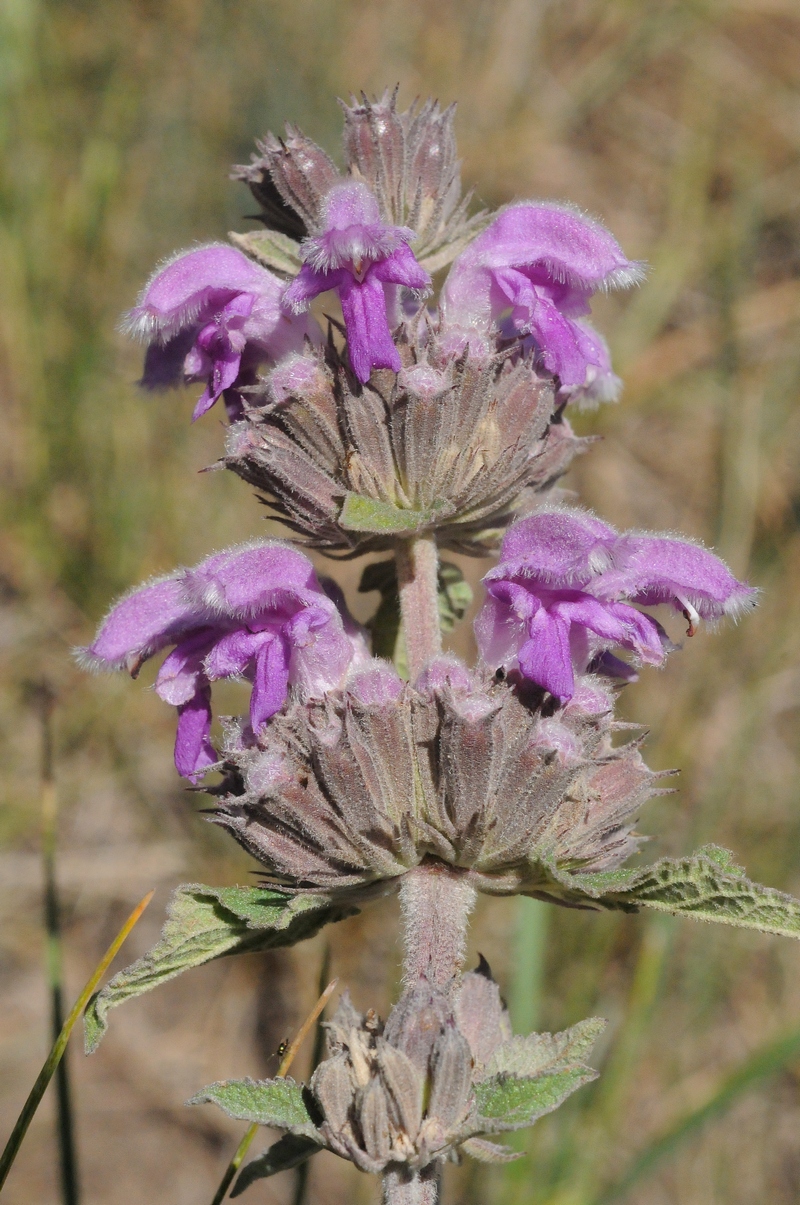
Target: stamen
{"type": "Point", "coordinates": [690, 615]}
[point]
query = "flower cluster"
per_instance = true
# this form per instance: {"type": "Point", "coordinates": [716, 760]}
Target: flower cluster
{"type": "Point", "coordinates": [560, 598]}
{"type": "Point", "coordinates": [340, 795]}
{"type": "Point", "coordinates": [450, 446]}
{"type": "Point", "coordinates": [257, 612]}
{"type": "Point", "coordinates": [453, 416]}
{"type": "Point", "coordinates": [410, 426]}
{"type": "Point", "coordinates": [425, 1087]}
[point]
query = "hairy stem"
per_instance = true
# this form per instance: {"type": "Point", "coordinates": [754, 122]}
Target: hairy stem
{"type": "Point", "coordinates": [409, 1188]}
{"type": "Point", "coordinates": [417, 578]}
{"type": "Point", "coordinates": [435, 900]}
{"type": "Point", "coordinates": [436, 903]}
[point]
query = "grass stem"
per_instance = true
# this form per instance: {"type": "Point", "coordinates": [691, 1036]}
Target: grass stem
{"type": "Point", "coordinates": [60, 1044]}
{"type": "Point", "coordinates": [285, 1064]}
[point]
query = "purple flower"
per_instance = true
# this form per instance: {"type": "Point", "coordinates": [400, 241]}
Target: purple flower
{"type": "Point", "coordinates": [560, 598]}
{"type": "Point", "coordinates": [214, 315]}
{"type": "Point", "coordinates": [256, 611]}
{"type": "Point", "coordinates": [358, 255]}
{"type": "Point", "coordinates": [536, 267]}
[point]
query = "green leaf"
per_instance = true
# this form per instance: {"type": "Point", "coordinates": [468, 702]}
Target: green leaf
{"type": "Point", "coordinates": [367, 514]}
{"type": "Point", "coordinates": [707, 886]}
{"type": "Point", "coordinates": [385, 625]}
{"type": "Point", "coordinates": [273, 250]}
{"type": "Point", "coordinates": [204, 923]}
{"type": "Point", "coordinates": [544, 1053]}
{"type": "Point", "coordinates": [267, 1102]}
{"type": "Point", "coordinates": [455, 596]}
{"type": "Point", "coordinates": [528, 1077]}
{"type": "Point", "coordinates": [509, 1102]}
{"type": "Point", "coordinates": [289, 1151]}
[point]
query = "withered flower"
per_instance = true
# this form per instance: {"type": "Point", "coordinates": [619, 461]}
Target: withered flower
{"type": "Point", "coordinates": [362, 787]}
{"type": "Point", "coordinates": [452, 446]}
{"type": "Point", "coordinates": [403, 1097]}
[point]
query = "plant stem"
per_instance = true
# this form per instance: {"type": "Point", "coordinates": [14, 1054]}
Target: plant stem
{"type": "Point", "coordinates": [530, 948]}
{"type": "Point", "coordinates": [409, 1188]}
{"type": "Point", "coordinates": [436, 902]}
{"type": "Point", "coordinates": [418, 582]}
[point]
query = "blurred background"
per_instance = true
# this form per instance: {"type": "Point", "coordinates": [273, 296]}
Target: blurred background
{"type": "Point", "coordinates": [678, 123]}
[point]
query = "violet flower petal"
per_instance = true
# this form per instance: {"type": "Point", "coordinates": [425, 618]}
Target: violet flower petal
{"type": "Point", "coordinates": [194, 285]}
{"type": "Point", "coordinates": [224, 372]}
{"type": "Point", "coordinates": [544, 261]}
{"type": "Point", "coordinates": [193, 748]}
{"type": "Point", "coordinates": [500, 629]}
{"type": "Point", "coordinates": [546, 657]}
{"type": "Point", "coordinates": [271, 681]}
{"type": "Point", "coordinates": [215, 306]}
{"type": "Point", "coordinates": [358, 255]}
{"type": "Point", "coordinates": [309, 283]}
{"type": "Point", "coordinates": [246, 580]}
{"type": "Point", "coordinates": [320, 651]}
{"type": "Point", "coordinates": [564, 547]}
{"type": "Point", "coordinates": [369, 340]}
{"type": "Point", "coordinates": [662, 569]}
{"type": "Point", "coordinates": [233, 653]}
{"type": "Point", "coordinates": [182, 671]}
{"type": "Point", "coordinates": [401, 268]}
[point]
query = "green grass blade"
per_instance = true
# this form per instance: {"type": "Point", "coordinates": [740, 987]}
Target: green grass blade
{"type": "Point", "coordinates": [59, 1046]}
{"type": "Point", "coordinates": [286, 1063]}
{"type": "Point", "coordinates": [763, 1063]}
{"type": "Point", "coordinates": [530, 946]}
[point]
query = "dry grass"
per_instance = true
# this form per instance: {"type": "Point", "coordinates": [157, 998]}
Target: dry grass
{"type": "Point", "coordinates": [678, 122]}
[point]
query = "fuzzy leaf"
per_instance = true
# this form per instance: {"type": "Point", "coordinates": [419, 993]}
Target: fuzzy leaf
{"type": "Point", "coordinates": [708, 886]}
{"type": "Point", "coordinates": [289, 1151]}
{"type": "Point", "coordinates": [204, 923]}
{"type": "Point", "coordinates": [509, 1102]}
{"type": "Point", "coordinates": [268, 1102]}
{"type": "Point", "coordinates": [545, 1053]}
{"type": "Point", "coordinates": [367, 514]}
{"type": "Point", "coordinates": [488, 1152]}
{"type": "Point", "coordinates": [270, 248]}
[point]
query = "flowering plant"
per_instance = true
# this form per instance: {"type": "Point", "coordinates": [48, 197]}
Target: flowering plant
{"type": "Point", "coordinates": [371, 761]}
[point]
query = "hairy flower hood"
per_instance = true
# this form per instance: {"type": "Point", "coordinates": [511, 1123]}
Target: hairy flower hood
{"type": "Point", "coordinates": [560, 599]}
{"type": "Point", "coordinates": [256, 611]}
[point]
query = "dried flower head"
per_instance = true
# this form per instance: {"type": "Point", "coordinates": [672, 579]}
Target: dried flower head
{"type": "Point", "coordinates": [452, 445]}
{"type": "Point", "coordinates": [339, 795]}
{"type": "Point", "coordinates": [425, 1087]}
